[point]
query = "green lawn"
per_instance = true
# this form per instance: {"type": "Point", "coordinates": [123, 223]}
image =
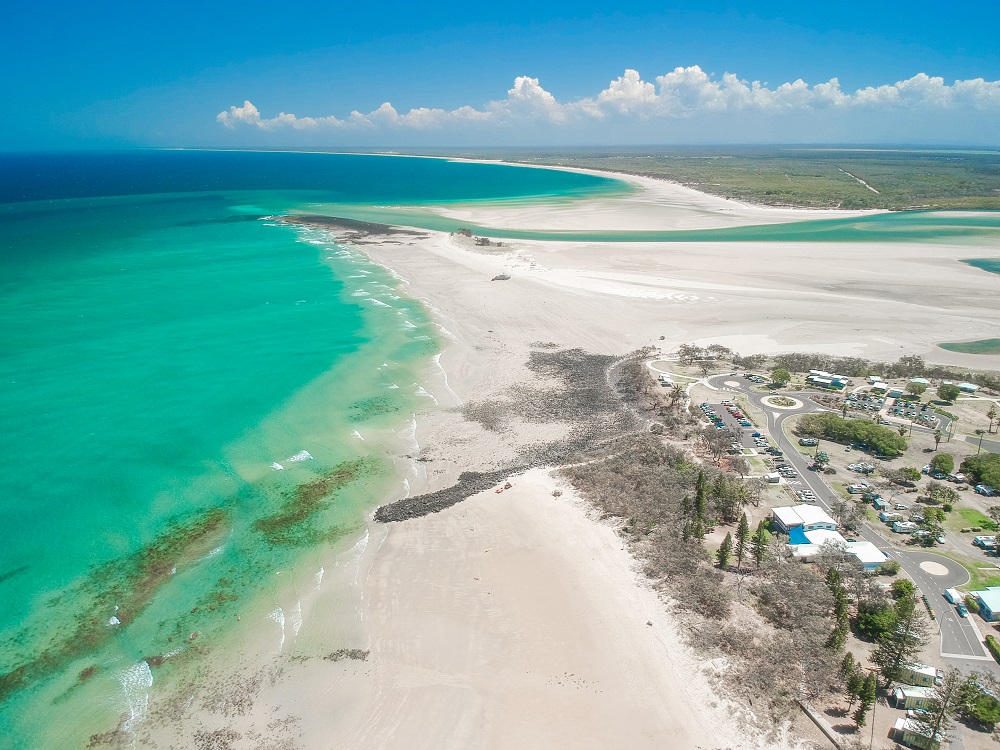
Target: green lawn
{"type": "Point", "coordinates": [973, 517]}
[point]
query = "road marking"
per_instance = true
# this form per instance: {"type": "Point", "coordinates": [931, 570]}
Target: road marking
{"type": "Point", "coordinates": [966, 656]}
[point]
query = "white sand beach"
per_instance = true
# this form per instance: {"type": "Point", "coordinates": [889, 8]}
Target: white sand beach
{"type": "Point", "coordinates": [517, 620]}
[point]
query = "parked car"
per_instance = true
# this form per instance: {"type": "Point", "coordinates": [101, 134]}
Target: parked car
{"type": "Point", "coordinates": [963, 611]}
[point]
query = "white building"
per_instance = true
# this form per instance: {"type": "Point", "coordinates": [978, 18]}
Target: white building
{"type": "Point", "coordinates": [805, 517]}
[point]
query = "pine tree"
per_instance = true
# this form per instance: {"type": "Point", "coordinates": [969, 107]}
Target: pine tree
{"type": "Point", "coordinates": [867, 697]}
{"type": "Point", "coordinates": [725, 551]}
{"type": "Point", "coordinates": [903, 642]}
{"type": "Point", "coordinates": [742, 535]}
{"type": "Point", "coordinates": [700, 497]}
{"type": "Point", "coordinates": [758, 544]}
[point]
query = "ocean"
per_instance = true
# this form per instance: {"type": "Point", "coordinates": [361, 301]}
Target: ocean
{"type": "Point", "coordinates": [196, 397]}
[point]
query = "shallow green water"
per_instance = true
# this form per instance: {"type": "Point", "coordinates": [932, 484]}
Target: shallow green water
{"type": "Point", "coordinates": [911, 226]}
{"type": "Point", "coordinates": [983, 346]}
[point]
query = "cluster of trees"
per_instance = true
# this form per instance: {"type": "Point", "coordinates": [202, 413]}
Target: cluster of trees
{"type": "Point", "coordinates": [984, 468]}
{"type": "Point", "coordinates": [691, 353]}
{"type": "Point", "coordinates": [667, 503]}
{"type": "Point", "coordinates": [827, 425]}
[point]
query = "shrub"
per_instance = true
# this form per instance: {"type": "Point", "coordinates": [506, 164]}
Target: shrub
{"type": "Point", "coordinates": [889, 568]}
{"type": "Point", "coordinates": [993, 646]}
{"type": "Point", "coordinates": [971, 604]}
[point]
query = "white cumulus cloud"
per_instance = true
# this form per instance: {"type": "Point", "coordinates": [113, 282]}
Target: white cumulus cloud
{"type": "Point", "coordinates": [681, 93]}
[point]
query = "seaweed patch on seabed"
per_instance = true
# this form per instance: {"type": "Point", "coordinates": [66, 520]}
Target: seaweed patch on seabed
{"type": "Point", "coordinates": [127, 583]}
{"type": "Point", "coordinates": [576, 388]}
{"type": "Point", "coordinates": [293, 523]}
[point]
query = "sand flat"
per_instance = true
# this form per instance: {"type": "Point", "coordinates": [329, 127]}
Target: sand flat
{"type": "Point", "coordinates": [513, 620]}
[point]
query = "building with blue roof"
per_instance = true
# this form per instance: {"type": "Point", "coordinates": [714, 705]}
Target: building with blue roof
{"type": "Point", "coordinates": [989, 603]}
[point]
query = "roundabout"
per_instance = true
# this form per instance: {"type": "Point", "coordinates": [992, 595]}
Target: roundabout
{"type": "Point", "coordinates": [782, 402]}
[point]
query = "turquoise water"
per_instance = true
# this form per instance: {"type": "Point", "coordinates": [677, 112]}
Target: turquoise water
{"type": "Point", "coordinates": [991, 265]}
{"type": "Point", "coordinates": [910, 226]}
{"type": "Point", "coordinates": [167, 355]}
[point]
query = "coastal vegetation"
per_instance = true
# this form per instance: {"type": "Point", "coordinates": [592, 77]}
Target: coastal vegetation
{"type": "Point", "coordinates": [882, 440]}
{"type": "Point", "coordinates": [811, 177]}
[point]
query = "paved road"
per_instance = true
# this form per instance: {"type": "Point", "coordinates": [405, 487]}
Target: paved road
{"type": "Point", "coordinates": [932, 573]}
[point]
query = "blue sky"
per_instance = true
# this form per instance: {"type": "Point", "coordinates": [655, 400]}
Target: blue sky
{"type": "Point", "coordinates": [118, 74]}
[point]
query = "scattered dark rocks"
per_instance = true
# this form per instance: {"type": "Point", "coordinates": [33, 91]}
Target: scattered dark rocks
{"type": "Point", "coordinates": [501, 277]}
{"type": "Point", "coordinates": [580, 393]}
{"type": "Point", "coordinates": [355, 654]}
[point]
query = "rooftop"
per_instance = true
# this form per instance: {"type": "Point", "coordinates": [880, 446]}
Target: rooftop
{"type": "Point", "coordinates": [990, 597]}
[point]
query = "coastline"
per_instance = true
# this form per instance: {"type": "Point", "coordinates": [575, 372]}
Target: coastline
{"type": "Point", "coordinates": [435, 665]}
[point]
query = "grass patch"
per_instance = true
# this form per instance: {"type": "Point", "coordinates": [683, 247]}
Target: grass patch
{"type": "Point", "coordinates": [974, 518]}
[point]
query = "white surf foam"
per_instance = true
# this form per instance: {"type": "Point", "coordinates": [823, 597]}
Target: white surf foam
{"type": "Point", "coordinates": [279, 617]}
{"type": "Point", "coordinates": [319, 577]}
{"type": "Point", "coordinates": [300, 456]}
{"type": "Point", "coordinates": [277, 467]}
{"type": "Point", "coordinates": [135, 684]}
{"type": "Point", "coordinates": [357, 435]}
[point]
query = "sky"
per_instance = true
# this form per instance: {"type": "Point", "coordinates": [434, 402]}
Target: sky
{"type": "Point", "coordinates": [115, 74]}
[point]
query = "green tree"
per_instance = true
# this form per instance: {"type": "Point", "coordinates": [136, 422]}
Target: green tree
{"type": "Point", "coordinates": [994, 513]}
{"type": "Point", "coordinates": [742, 536]}
{"type": "Point", "coordinates": [984, 468]}
{"type": "Point", "coordinates": [943, 462]}
{"type": "Point", "coordinates": [781, 376]}
{"type": "Point", "coordinates": [903, 587]}
{"type": "Point", "coordinates": [902, 643]}
{"type": "Point", "coordinates": [758, 544]}
{"type": "Point", "coordinates": [822, 458]}
{"type": "Point", "coordinates": [937, 438]}
{"type": "Point", "coordinates": [948, 391]}
{"type": "Point", "coordinates": [917, 389]}
{"type": "Point", "coordinates": [725, 552]}
{"type": "Point", "coordinates": [867, 697]}
{"type": "Point", "coordinates": [994, 416]}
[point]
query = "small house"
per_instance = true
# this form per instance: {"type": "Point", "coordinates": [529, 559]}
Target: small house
{"type": "Point", "coordinates": [920, 381]}
{"type": "Point", "coordinates": [911, 734]}
{"type": "Point", "coordinates": [880, 504]}
{"type": "Point", "coordinates": [918, 675]}
{"type": "Point", "coordinates": [894, 392]}
{"type": "Point", "coordinates": [989, 603]}
{"type": "Point", "coordinates": [870, 556]}
{"type": "Point", "coordinates": [873, 379]}
{"type": "Point", "coordinates": [968, 387]}
{"type": "Point", "coordinates": [909, 697]}
{"type": "Point", "coordinates": [774, 477]}
{"type": "Point", "coordinates": [880, 387]}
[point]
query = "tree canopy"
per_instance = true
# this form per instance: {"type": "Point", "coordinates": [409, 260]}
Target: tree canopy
{"type": "Point", "coordinates": [827, 425]}
{"type": "Point", "coordinates": [948, 391]}
{"type": "Point", "coordinates": [943, 462]}
{"type": "Point", "coordinates": [781, 375]}
{"type": "Point", "coordinates": [984, 468]}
